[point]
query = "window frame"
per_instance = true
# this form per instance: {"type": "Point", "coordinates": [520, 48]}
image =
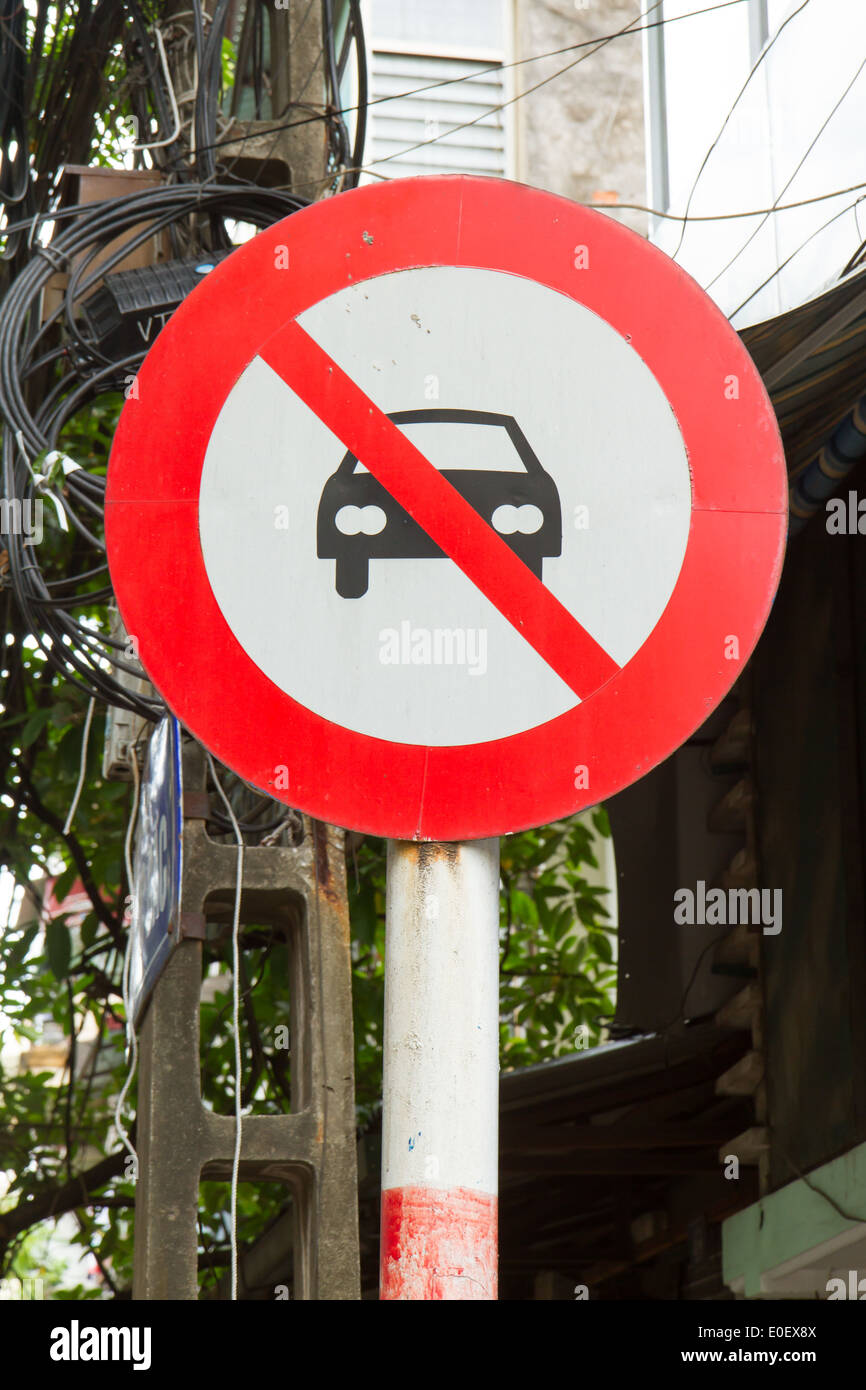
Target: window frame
{"type": "Point", "coordinates": [655, 97]}
{"type": "Point", "coordinates": [504, 57]}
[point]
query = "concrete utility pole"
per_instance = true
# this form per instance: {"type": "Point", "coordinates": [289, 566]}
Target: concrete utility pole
{"type": "Point", "coordinates": [300, 892]}
{"type": "Point", "coordinates": [297, 155]}
{"type": "Point", "coordinates": [284, 145]}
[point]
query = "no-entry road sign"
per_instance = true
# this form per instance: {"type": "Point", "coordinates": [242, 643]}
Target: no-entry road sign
{"type": "Point", "coordinates": [445, 508]}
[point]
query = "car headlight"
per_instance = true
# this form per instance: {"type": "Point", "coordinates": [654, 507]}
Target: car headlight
{"type": "Point", "coordinates": [368, 521]}
{"type": "Point", "coordinates": [526, 519]}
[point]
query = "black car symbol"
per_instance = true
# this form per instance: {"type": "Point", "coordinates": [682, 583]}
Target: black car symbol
{"type": "Point", "coordinates": [359, 520]}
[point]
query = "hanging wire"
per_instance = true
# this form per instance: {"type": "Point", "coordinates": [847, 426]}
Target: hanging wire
{"type": "Point", "coordinates": [762, 56]}
{"type": "Point", "coordinates": [236, 1027]}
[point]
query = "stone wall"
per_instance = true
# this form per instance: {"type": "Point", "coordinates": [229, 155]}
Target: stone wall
{"type": "Point", "coordinates": [582, 133]}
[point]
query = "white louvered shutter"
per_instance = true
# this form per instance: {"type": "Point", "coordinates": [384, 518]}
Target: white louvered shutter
{"type": "Point", "coordinates": [396, 125]}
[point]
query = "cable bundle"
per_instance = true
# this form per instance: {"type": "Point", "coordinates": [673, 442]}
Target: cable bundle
{"type": "Point", "coordinates": [30, 350]}
{"type": "Point", "coordinates": [136, 56]}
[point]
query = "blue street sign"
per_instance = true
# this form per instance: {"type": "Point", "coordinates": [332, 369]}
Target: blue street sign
{"type": "Point", "coordinates": [156, 865]}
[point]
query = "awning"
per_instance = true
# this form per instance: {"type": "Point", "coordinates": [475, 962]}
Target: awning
{"type": "Point", "coordinates": [813, 361]}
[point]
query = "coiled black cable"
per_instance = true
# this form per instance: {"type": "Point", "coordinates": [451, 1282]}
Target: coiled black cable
{"type": "Point", "coordinates": [32, 426]}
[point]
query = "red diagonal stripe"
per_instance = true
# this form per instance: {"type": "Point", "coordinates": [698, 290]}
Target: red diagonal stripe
{"type": "Point", "coordinates": [438, 507]}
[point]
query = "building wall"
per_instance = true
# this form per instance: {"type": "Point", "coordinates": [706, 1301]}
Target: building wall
{"type": "Point", "coordinates": [582, 133]}
{"type": "Point", "coordinates": [808, 671]}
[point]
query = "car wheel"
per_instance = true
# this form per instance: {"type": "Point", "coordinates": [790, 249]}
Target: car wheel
{"type": "Point", "coordinates": [353, 577]}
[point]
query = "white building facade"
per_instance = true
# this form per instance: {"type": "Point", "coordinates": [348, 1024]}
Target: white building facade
{"type": "Point", "coordinates": [754, 105]}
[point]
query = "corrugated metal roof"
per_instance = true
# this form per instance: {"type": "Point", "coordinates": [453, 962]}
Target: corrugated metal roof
{"type": "Point", "coordinates": [813, 361]}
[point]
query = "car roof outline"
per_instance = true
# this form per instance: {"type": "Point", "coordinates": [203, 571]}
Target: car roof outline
{"type": "Point", "coordinates": [448, 415]}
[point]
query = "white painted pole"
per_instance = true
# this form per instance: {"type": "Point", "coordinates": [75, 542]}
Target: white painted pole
{"type": "Point", "coordinates": [441, 1072]}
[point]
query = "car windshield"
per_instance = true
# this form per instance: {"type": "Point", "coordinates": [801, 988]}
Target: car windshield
{"type": "Point", "coordinates": [453, 444]}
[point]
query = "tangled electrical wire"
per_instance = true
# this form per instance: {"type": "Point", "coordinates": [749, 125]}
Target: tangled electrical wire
{"type": "Point", "coordinates": [52, 362]}
{"type": "Point", "coordinates": [94, 240]}
{"type": "Point", "coordinates": [194, 117]}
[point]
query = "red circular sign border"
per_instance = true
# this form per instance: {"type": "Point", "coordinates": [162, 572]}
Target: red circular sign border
{"type": "Point", "coordinates": [722, 597]}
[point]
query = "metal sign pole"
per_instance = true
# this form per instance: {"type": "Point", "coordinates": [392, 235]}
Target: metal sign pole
{"type": "Point", "coordinates": [441, 1072]}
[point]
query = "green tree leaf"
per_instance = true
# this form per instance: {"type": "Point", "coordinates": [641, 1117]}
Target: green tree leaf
{"type": "Point", "coordinates": [58, 948]}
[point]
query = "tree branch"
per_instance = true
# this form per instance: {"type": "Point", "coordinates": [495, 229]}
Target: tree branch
{"type": "Point", "coordinates": [34, 803]}
{"type": "Point", "coordinates": [55, 1201]}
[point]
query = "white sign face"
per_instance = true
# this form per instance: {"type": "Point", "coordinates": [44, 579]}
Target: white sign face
{"type": "Point", "coordinates": [338, 597]}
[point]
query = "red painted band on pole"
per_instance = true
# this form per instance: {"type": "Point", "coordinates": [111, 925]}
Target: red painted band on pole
{"type": "Point", "coordinates": [438, 1245]}
{"type": "Point", "coordinates": [450, 521]}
